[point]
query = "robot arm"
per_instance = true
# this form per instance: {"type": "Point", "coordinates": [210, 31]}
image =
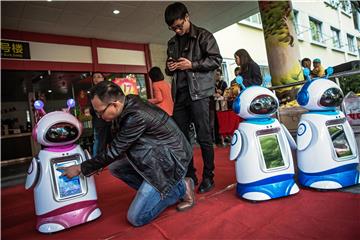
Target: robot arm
{"type": "Point", "coordinates": [289, 137]}
{"type": "Point", "coordinates": [304, 135]}
{"type": "Point", "coordinates": [32, 173]}
{"type": "Point", "coordinates": [236, 144]}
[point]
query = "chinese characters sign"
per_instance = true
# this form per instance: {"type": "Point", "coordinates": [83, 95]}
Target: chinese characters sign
{"type": "Point", "coordinates": [13, 49]}
{"type": "Point", "coordinates": [128, 85]}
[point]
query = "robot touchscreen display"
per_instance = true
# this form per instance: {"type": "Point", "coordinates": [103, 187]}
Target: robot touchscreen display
{"type": "Point", "coordinates": [67, 187]}
{"type": "Point", "coordinates": [339, 140]}
{"type": "Point", "coordinates": [271, 151]}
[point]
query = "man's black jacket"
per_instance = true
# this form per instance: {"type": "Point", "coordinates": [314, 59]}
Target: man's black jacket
{"type": "Point", "coordinates": [152, 142]}
{"type": "Point", "coordinates": [203, 52]}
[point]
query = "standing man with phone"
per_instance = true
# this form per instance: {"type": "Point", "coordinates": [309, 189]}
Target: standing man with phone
{"type": "Point", "coordinates": [193, 55]}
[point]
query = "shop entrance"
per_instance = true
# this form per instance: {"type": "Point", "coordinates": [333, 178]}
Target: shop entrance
{"type": "Point", "coordinates": [19, 91]}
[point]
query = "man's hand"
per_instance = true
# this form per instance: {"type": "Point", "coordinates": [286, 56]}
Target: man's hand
{"type": "Point", "coordinates": [71, 171]}
{"type": "Point", "coordinates": [183, 64]}
{"type": "Point", "coordinates": [171, 65]}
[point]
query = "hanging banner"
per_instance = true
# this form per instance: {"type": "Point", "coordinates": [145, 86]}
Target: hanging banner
{"type": "Point", "coordinates": [128, 85]}
{"type": "Point", "coordinates": [14, 49]}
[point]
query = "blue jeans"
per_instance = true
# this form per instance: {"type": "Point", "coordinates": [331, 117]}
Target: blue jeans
{"type": "Point", "coordinates": [148, 202]}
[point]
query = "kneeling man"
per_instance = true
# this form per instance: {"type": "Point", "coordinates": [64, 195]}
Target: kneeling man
{"type": "Point", "coordinates": [148, 152]}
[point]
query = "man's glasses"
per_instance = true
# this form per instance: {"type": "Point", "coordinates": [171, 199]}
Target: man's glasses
{"type": "Point", "coordinates": [178, 26]}
{"type": "Point", "coordinates": [101, 113]}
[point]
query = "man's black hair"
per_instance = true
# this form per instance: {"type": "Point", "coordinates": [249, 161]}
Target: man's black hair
{"type": "Point", "coordinates": [107, 92]}
{"type": "Point", "coordinates": [237, 69]}
{"type": "Point", "coordinates": [175, 11]}
{"type": "Point", "coordinates": [155, 74]}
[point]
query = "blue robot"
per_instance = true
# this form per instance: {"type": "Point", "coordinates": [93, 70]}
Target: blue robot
{"type": "Point", "coordinates": [261, 147]}
{"type": "Point", "coordinates": [327, 153]}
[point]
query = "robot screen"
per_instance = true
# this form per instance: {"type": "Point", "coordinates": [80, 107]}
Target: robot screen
{"type": "Point", "coordinates": [271, 151]}
{"type": "Point", "coordinates": [67, 187]}
{"type": "Point", "coordinates": [339, 140]}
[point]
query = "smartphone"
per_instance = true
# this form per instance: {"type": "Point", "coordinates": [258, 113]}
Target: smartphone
{"type": "Point", "coordinates": [171, 60]}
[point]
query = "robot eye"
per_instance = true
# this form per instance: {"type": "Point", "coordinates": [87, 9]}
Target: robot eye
{"type": "Point", "coordinates": [61, 132]}
{"type": "Point", "coordinates": [332, 97]}
{"type": "Point", "coordinates": [263, 104]}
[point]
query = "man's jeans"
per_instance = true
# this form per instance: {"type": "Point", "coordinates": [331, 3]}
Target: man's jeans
{"type": "Point", "coordinates": [148, 202]}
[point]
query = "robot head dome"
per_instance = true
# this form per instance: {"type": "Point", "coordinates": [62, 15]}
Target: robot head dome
{"type": "Point", "coordinates": [255, 102]}
{"type": "Point", "coordinates": [57, 128]}
{"type": "Point", "coordinates": [320, 94]}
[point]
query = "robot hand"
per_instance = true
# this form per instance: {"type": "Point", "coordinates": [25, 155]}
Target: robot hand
{"type": "Point", "coordinates": [70, 172]}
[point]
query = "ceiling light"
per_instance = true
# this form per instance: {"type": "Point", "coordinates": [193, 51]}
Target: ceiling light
{"type": "Point", "coordinates": [116, 11]}
{"type": "Point", "coordinates": [49, 91]}
{"type": "Point", "coordinates": [49, 0]}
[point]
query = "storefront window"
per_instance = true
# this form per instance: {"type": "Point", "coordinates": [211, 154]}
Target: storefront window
{"type": "Point", "coordinates": [21, 88]}
{"type": "Point", "coordinates": [14, 101]}
{"type": "Point", "coordinates": [130, 83]}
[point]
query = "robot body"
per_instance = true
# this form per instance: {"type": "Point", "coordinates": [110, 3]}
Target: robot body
{"type": "Point", "coordinates": [60, 203]}
{"type": "Point", "coordinates": [327, 153]}
{"type": "Point", "coordinates": [262, 148]}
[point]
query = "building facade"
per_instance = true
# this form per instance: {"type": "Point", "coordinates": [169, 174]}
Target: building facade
{"type": "Point", "coordinates": [328, 30]}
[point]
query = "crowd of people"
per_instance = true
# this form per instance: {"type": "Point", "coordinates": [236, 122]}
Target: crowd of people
{"type": "Point", "coordinates": [150, 149]}
{"type": "Point", "coordinates": [317, 71]}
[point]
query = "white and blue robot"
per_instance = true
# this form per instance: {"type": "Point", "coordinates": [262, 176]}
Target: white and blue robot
{"type": "Point", "coordinates": [60, 202]}
{"type": "Point", "coordinates": [261, 147]}
{"type": "Point", "coordinates": [327, 153]}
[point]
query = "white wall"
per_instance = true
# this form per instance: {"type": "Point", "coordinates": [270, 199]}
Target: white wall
{"type": "Point", "coordinates": [238, 36]}
{"type": "Point", "coordinates": [120, 56]}
{"type": "Point", "coordinates": [158, 57]}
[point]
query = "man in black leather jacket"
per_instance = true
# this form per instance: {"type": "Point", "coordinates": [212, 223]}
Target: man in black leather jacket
{"type": "Point", "coordinates": [192, 57]}
{"type": "Point", "coordinates": [149, 153]}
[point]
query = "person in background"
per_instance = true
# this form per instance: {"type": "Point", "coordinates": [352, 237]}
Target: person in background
{"type": "Point", "coordinates": [318, 70]}
{"type": "Point", "coordinates": [234, 88]}
{"type": "Point", "coordinates": [162, 91]}
{"type": "Point", "coordinates": [192, 58]}
{"type": "Point", "coordinates": [236, 73]}
{"type": "Point", "coordinates": [249, 70]}
{"type": "Point", "coordinates": [306, 63]}
{"type": "Point", "coordinates": [220, 85]}
{"type": "Point", "coordinates": [102, 129]}
{"type": "Point", "coordinates": [149, 153]}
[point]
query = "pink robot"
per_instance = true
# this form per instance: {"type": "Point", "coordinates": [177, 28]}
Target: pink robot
{"type": "Point", "coordinates": [60, 202]}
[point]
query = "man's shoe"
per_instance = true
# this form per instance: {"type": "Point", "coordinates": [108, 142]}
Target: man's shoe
{"type": "Point", "coordinates": [189, 198]}
{"type": "Point", "coordinates": [206, 185]}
